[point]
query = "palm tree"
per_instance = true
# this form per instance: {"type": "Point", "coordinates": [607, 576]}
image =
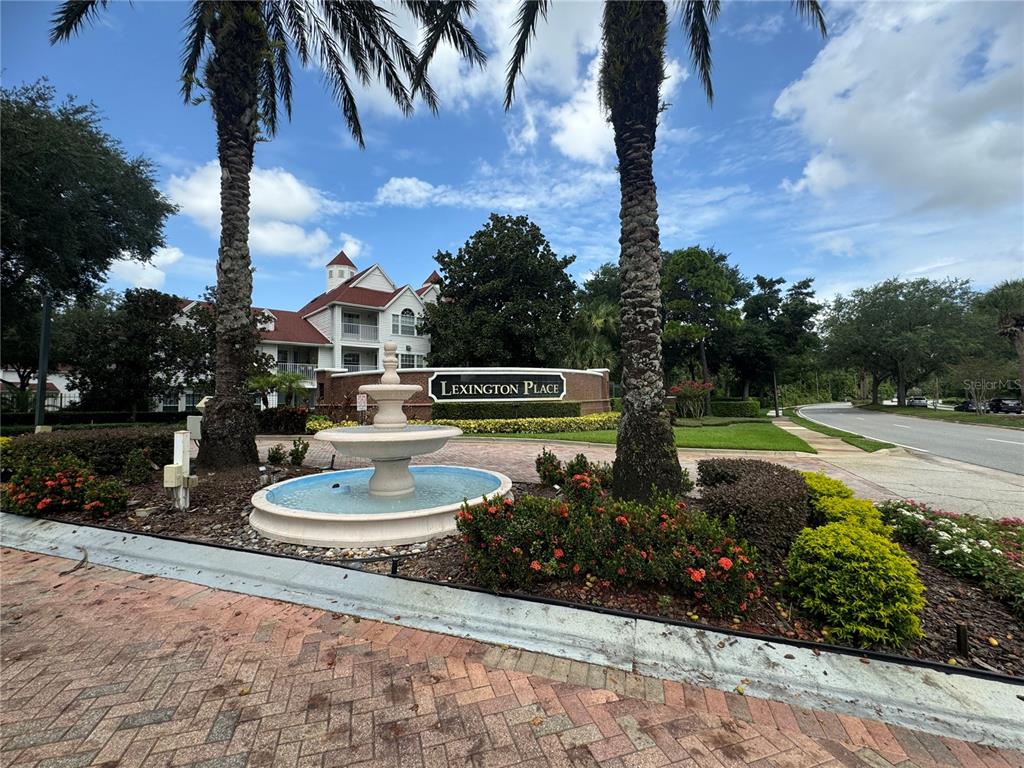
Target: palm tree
{"type": "Point", "coordinates": [632, 70]}
{"type": "Point", "coordinates": [238, 54]}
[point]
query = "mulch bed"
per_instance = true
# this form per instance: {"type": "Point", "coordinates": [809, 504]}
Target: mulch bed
{"type": "Point", "coordinates": [219, 515]}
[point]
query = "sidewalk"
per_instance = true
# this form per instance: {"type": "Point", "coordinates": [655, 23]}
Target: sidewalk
{"type": "Point", "coordinates": [106, 667]}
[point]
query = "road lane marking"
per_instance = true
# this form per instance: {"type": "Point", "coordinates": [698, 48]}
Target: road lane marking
{"type": "Point", "coordinates": [995, 440]}
{"type": "Point", "coordinates": [901, 426]}
{"type": "Point", "coordinates": [800, 412]}
{"type": "Point", "coordinates": [859, 418]}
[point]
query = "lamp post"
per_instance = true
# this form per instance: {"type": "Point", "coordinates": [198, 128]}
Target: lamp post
{"type": "Point", "coordinates": [44, 361]}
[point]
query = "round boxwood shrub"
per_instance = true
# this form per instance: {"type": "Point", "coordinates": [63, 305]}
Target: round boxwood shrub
{"type": "Point", "coordinates": [820, 485]}
{"type": "Point", "coordinates": [834, 509]}
{"type": "Point", "coordinates": [861, 585]}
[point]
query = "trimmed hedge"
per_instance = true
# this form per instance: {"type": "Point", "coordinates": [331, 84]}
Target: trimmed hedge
{"type": "Point", "coordinates": [833, 509]}
{"type": "Point", "coordinates": [71, 416]}
{"type": "Point", "coordinates": [283, 420]}
{"type": "Point", "coordinates": [105, 450]}
{"type": "Point", "coordinates": [591, 422]}
{"type": "Point", "coordinates": [769, 502]}
{"type": "Point", "coordinates": [748, 408]}
{"type": "Point", "coordinates": [860, 584]}
{"type": "Point", "coordinates": [530, 410]}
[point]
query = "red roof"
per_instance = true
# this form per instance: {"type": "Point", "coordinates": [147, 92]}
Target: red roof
{"type": "Point", "coordinates": [433, 278]}
{"type": "Point", "coordinates": [290, 326]}
{"type": "Point", "coordinates": [341, 260]}
{"type": "Point", "coordinates": [347, 294]}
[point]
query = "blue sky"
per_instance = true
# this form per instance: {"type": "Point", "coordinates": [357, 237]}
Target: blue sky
{"type": "Point", "coordinates": [894, 147]}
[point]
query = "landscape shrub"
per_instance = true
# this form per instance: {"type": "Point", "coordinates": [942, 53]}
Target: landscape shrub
{"type": "Point", "coordinates": [527, 410]}
{"type": "Point", "coordinates": [820, 485]}
{"type": "Point", "coordinates": [315, 423]}
{"type": "Point", "coordinates": [298, 452]}
{"type": "Point", "coordinates": [691, 398]}
{"type": "Point", "coordinates": [769, 502]}
{"type": "Point", "coordinates": [588, 423]}
{"type": "Point", "coordinates": [987, 552]}
{"type": "Point", "coordinates": [712, 472]}
{"type": "Point", "coordinates": [616, 403]}
{"type": "Point", "coordinates": [276, 454]}
{"type": "Point", "coordinates": [105, 450]}
{"type": "Point", "coordinates": [515, 544]}
{"type": "Point", "coordinates": [283, 420]}
{"type": "Point", "coordinates": [834, 509]}
{"type": "Point", "coordinates": [137, 468]}
{"type": "Point", "coordinates": [861, 585]}
{"type": "Point", "coordinates": [749, 408]}
{"type": "Point", "coordinates": [553, 472]}
{"type": "Point", "coordinates": [65, 484]}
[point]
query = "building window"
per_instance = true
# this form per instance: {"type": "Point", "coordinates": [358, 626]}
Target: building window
{"type": "Point", "coordinates": [404, 324]}
{"type": "Point", "coordinates": [192, 400]}
{"type": "Point", "coordinates": [350, 360]}
{"type": "Point", "coordinates": [406, 361]}
{"type": "Point", "coordinates": [170, 402]}
{"type": "Point", "coordinates": [282, 355]}
{"type": "Point", "coordinates": [320, 391]}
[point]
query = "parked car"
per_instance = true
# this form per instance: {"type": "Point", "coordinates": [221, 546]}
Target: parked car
{"type": "Point", "coordinates": [1004, 405]}
{"type": "Point", "coordinates": [968, 407]}
{"type": "Point", "coordinates": [917, 401]}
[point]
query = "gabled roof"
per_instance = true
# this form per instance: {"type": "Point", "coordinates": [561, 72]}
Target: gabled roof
{"type": "Point", "coordinates": [341, 260]}
{"type": "Point", "coordinates": [432, 278]}
{"type": "Point", "coordinates": [346, 293]}
{"type": "Point", "coordinates": [288, 326]}
{"type": "Point", "coordinates": [424, 289]}
{"type": "Point", "coordinates": [291, 326]}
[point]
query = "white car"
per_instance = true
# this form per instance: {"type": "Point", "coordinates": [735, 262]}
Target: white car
{"type": "Point", "coordinates": [917, 401]}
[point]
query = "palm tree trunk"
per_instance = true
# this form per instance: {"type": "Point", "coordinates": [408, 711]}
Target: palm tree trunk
{"type": "Point", "coordinates": [229, 424]}
{"type": "Point", "coordinates": [645, 453]}
{"type": "Point", "coordinates": [704, 374]}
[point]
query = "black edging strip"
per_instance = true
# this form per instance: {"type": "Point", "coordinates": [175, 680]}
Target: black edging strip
{"type": "Point", "coordinates": [867, 653]}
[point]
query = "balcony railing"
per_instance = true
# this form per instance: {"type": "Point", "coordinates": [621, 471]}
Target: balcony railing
{"type": "Point", "coordinates": [361, 367]}
{"type": "Point", "coordinates": [308, 370]}
{"type": "Point", "coordinates": [360, 331]}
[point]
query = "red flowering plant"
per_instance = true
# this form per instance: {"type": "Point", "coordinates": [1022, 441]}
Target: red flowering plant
{"type": "Point", "coordinates": [64, 485]}
{"type": "Point", "coordinates": [691, 397]}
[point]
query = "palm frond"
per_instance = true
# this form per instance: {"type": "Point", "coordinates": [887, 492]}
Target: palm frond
{"type": "Point", "coordinates": [71, 15]}
{"type": "Point", "coordinates": [280, 67]}
{"type": "Point", "coordinates": [526, 27]}
{"type": "Point", "coordinates": [197, 32]}
{"type": "Point", "coordinates": [697, 17]}
{"type": "Point", "coordinates": [810, 11]}
{"type": "Point", "coordinates": [442, 21]}
{"type": "Point", "coordinates": [368, 37]}
{"type": "Point", "coordinates": [323, 43]}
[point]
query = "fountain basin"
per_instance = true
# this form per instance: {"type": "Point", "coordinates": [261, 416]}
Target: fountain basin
{"type": "Point", "coordinates": [311, 511]}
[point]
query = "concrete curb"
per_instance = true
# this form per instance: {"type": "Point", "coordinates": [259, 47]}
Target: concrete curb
{"type": "Point", "coordinates": [959, 706]}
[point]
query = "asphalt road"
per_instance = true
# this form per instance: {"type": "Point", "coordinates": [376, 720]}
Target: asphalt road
{"type": "Point", "coordinates": [992, 447]}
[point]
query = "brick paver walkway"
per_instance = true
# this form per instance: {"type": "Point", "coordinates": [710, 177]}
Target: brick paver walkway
{"type": "Point", "coordinates": [108, 668]}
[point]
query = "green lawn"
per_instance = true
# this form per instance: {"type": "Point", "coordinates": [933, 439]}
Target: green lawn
{"type": "Point", "coordinates": [864, 443]}
{"type": "Point", "coordinates": [990, 419]}
{"type": "Point", "coordinates": [749, 436]}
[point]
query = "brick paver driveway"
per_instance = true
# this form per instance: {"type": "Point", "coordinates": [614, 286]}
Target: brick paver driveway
{"type": "Point", "coordinates": [105, 667]}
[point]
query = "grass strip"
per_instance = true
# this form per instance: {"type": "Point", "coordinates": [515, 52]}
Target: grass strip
{"type": "Point", "coordinates": [1011, 421]}
{"type": "Point", "coordinates": [857, 441]}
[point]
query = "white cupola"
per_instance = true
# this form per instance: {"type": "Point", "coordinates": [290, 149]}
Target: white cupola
{"type": "Point", "coordinates": [339, 269]}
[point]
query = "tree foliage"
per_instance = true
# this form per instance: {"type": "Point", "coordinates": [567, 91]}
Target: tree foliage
{"type": "Point", "coordinates": [506, 299]}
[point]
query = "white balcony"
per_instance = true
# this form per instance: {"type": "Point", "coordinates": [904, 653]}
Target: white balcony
{"type": "Point", "coordinates": [360, 332]}
{"type": "Point", "coordinates": [354, 368]}
{"type": "Point", "coordinates": [308, 370]}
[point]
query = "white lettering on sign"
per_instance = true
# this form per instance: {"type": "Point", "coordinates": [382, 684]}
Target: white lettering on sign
{"type": "Point", "coordinates": [450, 389]}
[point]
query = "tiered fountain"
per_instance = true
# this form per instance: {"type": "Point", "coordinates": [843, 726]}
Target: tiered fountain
{"type": "Point", "coordinates": [388, 503]}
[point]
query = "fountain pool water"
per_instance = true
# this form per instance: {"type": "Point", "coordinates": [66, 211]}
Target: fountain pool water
{"type": "Point", "coordinates": [389, 503]}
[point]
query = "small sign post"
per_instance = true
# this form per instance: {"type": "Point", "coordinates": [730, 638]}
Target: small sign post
{"type": "Point", "coordinates": [360, 402]}
{"type": "Point", "coordinates": [176, 476]}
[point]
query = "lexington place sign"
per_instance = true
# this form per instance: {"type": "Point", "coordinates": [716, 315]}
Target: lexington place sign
{"type": "Point", "coordinates": [506, 385]}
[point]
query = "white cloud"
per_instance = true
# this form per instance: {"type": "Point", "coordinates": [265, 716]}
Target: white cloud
{"type": "Point", "coordinates": [759, 30]}
{"type": "Point", "coordinates": [353, 247]}
{"type": "Point", "coordinates": [282, 206]}
{"type": "Point", "coordinates": [153, 274]}
{"type": "Point", "coordinates": [822, 174]}
{"type": "Point", "coordinates": [921, 100]}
